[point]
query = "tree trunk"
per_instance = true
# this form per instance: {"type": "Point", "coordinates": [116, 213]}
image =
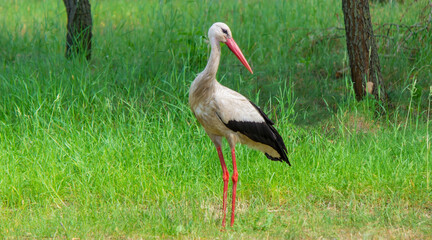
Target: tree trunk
{"type": "Point", "coordinates": [362, 50]}
{"type": "Point", "coordinates": [79, 28]}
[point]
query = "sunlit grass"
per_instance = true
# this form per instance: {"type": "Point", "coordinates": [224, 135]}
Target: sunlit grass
{"type": "Point", "coordinates": [109, 148]}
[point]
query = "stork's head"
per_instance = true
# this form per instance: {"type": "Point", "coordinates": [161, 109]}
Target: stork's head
{"type": "Point", "coordinates": [222, 33]}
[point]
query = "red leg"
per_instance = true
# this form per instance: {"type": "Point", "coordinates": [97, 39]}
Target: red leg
{"type": "Point", "coordinates": [234, 179]}
{"type": "Point", "coordinates": [225, 177]}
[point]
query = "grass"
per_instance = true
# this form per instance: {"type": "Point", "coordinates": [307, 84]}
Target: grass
{"type": "Point", "coordinates": [109, 148]}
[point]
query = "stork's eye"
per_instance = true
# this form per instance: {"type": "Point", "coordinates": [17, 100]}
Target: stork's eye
{"type": "Point", "coordinates": [225, 31]}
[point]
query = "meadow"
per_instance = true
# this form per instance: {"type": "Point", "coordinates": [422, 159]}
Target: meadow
{"type": "Point", "coordinates": [108, 148]}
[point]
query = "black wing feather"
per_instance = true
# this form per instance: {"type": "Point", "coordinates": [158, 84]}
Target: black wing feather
{"type": "Point", "coordinates": [262, 132]}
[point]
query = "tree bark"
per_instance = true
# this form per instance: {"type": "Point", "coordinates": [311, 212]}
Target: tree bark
{"type": "Point", "coordinates": [362, 50]}
{"type": "Point", "coordinates": [79, 28]}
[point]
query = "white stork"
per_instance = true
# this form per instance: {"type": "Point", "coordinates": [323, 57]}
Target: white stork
{"type": "Point", "coordinates": [226, 113]}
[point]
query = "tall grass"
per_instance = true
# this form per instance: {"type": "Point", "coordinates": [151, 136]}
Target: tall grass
{"type": "Point", "coordinates": [109, 147]}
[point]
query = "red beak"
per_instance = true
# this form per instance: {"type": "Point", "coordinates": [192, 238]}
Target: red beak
{"type": "Point", "coordinates": [236, 50]}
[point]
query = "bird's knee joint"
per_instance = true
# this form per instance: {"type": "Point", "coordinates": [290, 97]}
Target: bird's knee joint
{"type": "Point", "coordinates": [225, 176]}
{"type": "Point", "coordinates": [234, 177]}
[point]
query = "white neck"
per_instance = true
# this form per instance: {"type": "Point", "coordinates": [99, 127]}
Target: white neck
{"type": "Point", "coordinates": [205, 82]}
{"type": "Point", "coordinates": [213, 63]}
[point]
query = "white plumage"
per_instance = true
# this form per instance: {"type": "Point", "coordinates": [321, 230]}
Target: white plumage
{"type": "Point", "coordinates": [226, 113]}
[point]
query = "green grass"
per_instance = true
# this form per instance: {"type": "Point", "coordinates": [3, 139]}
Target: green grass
{"type": "Point", "coordinates": [109, 148]}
